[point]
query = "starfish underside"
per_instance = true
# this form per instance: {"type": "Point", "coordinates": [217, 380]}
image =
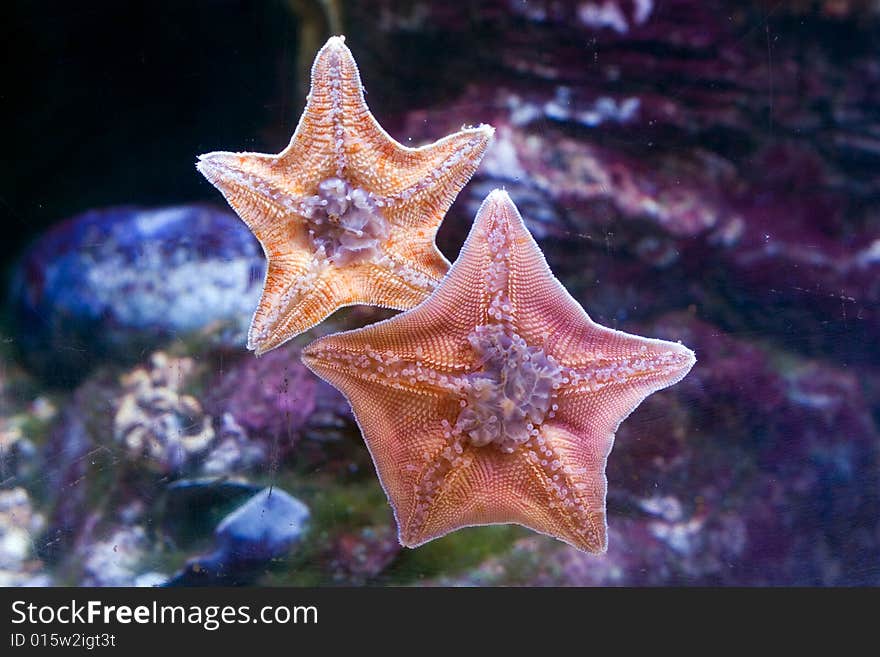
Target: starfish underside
{"type": "Point", "coordinates": [497, 399]}
{"type": "Point", "coordinates": [345, 214]}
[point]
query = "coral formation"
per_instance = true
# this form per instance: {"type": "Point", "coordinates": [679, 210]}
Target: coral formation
{"type": "Point", "coordinates": [167, 430]}
{"type": "Point", "coordinates": [155, 422]}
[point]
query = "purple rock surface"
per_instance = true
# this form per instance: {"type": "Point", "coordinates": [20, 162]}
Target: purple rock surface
{"type": "Point", "coordinates": [279, 402]}
{"type": "Point", "coordinates": [271, 397]}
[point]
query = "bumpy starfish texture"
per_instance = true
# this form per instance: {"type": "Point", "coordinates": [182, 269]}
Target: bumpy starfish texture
{"type": "Point", "coordinates": [345, 214]}
{"type": "Point", "coordinates": [497, 399]}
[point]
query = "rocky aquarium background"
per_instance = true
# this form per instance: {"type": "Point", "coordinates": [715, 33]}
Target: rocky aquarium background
{"type": "Point", "coordinates": [702, 171]}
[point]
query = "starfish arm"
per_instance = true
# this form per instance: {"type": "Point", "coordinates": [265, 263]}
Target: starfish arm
{"type": "Point", "coordinates": [450, 493]}
{"type": "Point", "coordinates": [630, 366]}
{"type": "Point", "coordinates": [257, 195]}
{"type": "Point", "coordinates": [297, 295]}
{"type": "Point", "coordinates": [489, 277]}
{"type": "Point", "coordinates": [316, 149]}
{"type": "Point", "coordinates": [545, 313]}
{"type": "Point", "coordinates": [407, 340]}
{"type": "Point", "coordinates": [395, 283]}
{"type": "Point", "coordinates": [480, 487]}
{"type": "Point", "coordinates": [338, 135]}
{"type": "Point", "coordinates": [437, 329]}
{"type": "Point", "coordinates": [367, 153]}
{"type": "Point", "coordinates": [418, 186]}
{"type": "Point", "coordinates": [590, 407]}
{"type": "Point", "coordinates": [409, 268]}
{"type": "Point", "coordinates": [598, 397]}
{"type": "Point", "coordinates": [402, 428]}
{"type": "Point", "coordinates": [521, 279]}
{"type": "Point", "coordinates": [571, 470]}
{"type": "Point", "coordinates": [365, 355]}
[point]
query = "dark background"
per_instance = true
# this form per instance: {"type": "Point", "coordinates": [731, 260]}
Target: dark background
{"type": "Point", "coordinates": [108, 103]}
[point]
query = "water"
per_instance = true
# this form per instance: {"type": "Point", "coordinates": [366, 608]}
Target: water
{"type": "Point", "coordinates": [702, 172]}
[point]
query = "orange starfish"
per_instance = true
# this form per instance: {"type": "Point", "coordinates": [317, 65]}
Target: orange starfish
{"type": "Point", "coordinates": [345, 214]}
{"type": "Point", "coordinates": [497, 399]}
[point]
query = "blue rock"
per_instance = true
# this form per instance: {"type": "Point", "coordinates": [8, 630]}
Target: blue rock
{"type": "Point", "coordinates": [111, 283]}
{"type": "Point", "coordinates": [247, 540]}
{"type": "Point", "coordinates": [263, 528]}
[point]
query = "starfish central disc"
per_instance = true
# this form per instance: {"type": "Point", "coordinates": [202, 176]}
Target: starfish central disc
{"type": "Point", "coordinates": [511, 394]}
{"type": "Point", "coordinates": [344, 222]}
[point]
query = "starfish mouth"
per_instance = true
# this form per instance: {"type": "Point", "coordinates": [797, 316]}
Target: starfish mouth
{"type": "Point", "coordinates": [344, 222]}
{"type": "Point", "coordinates": [511, 394]}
